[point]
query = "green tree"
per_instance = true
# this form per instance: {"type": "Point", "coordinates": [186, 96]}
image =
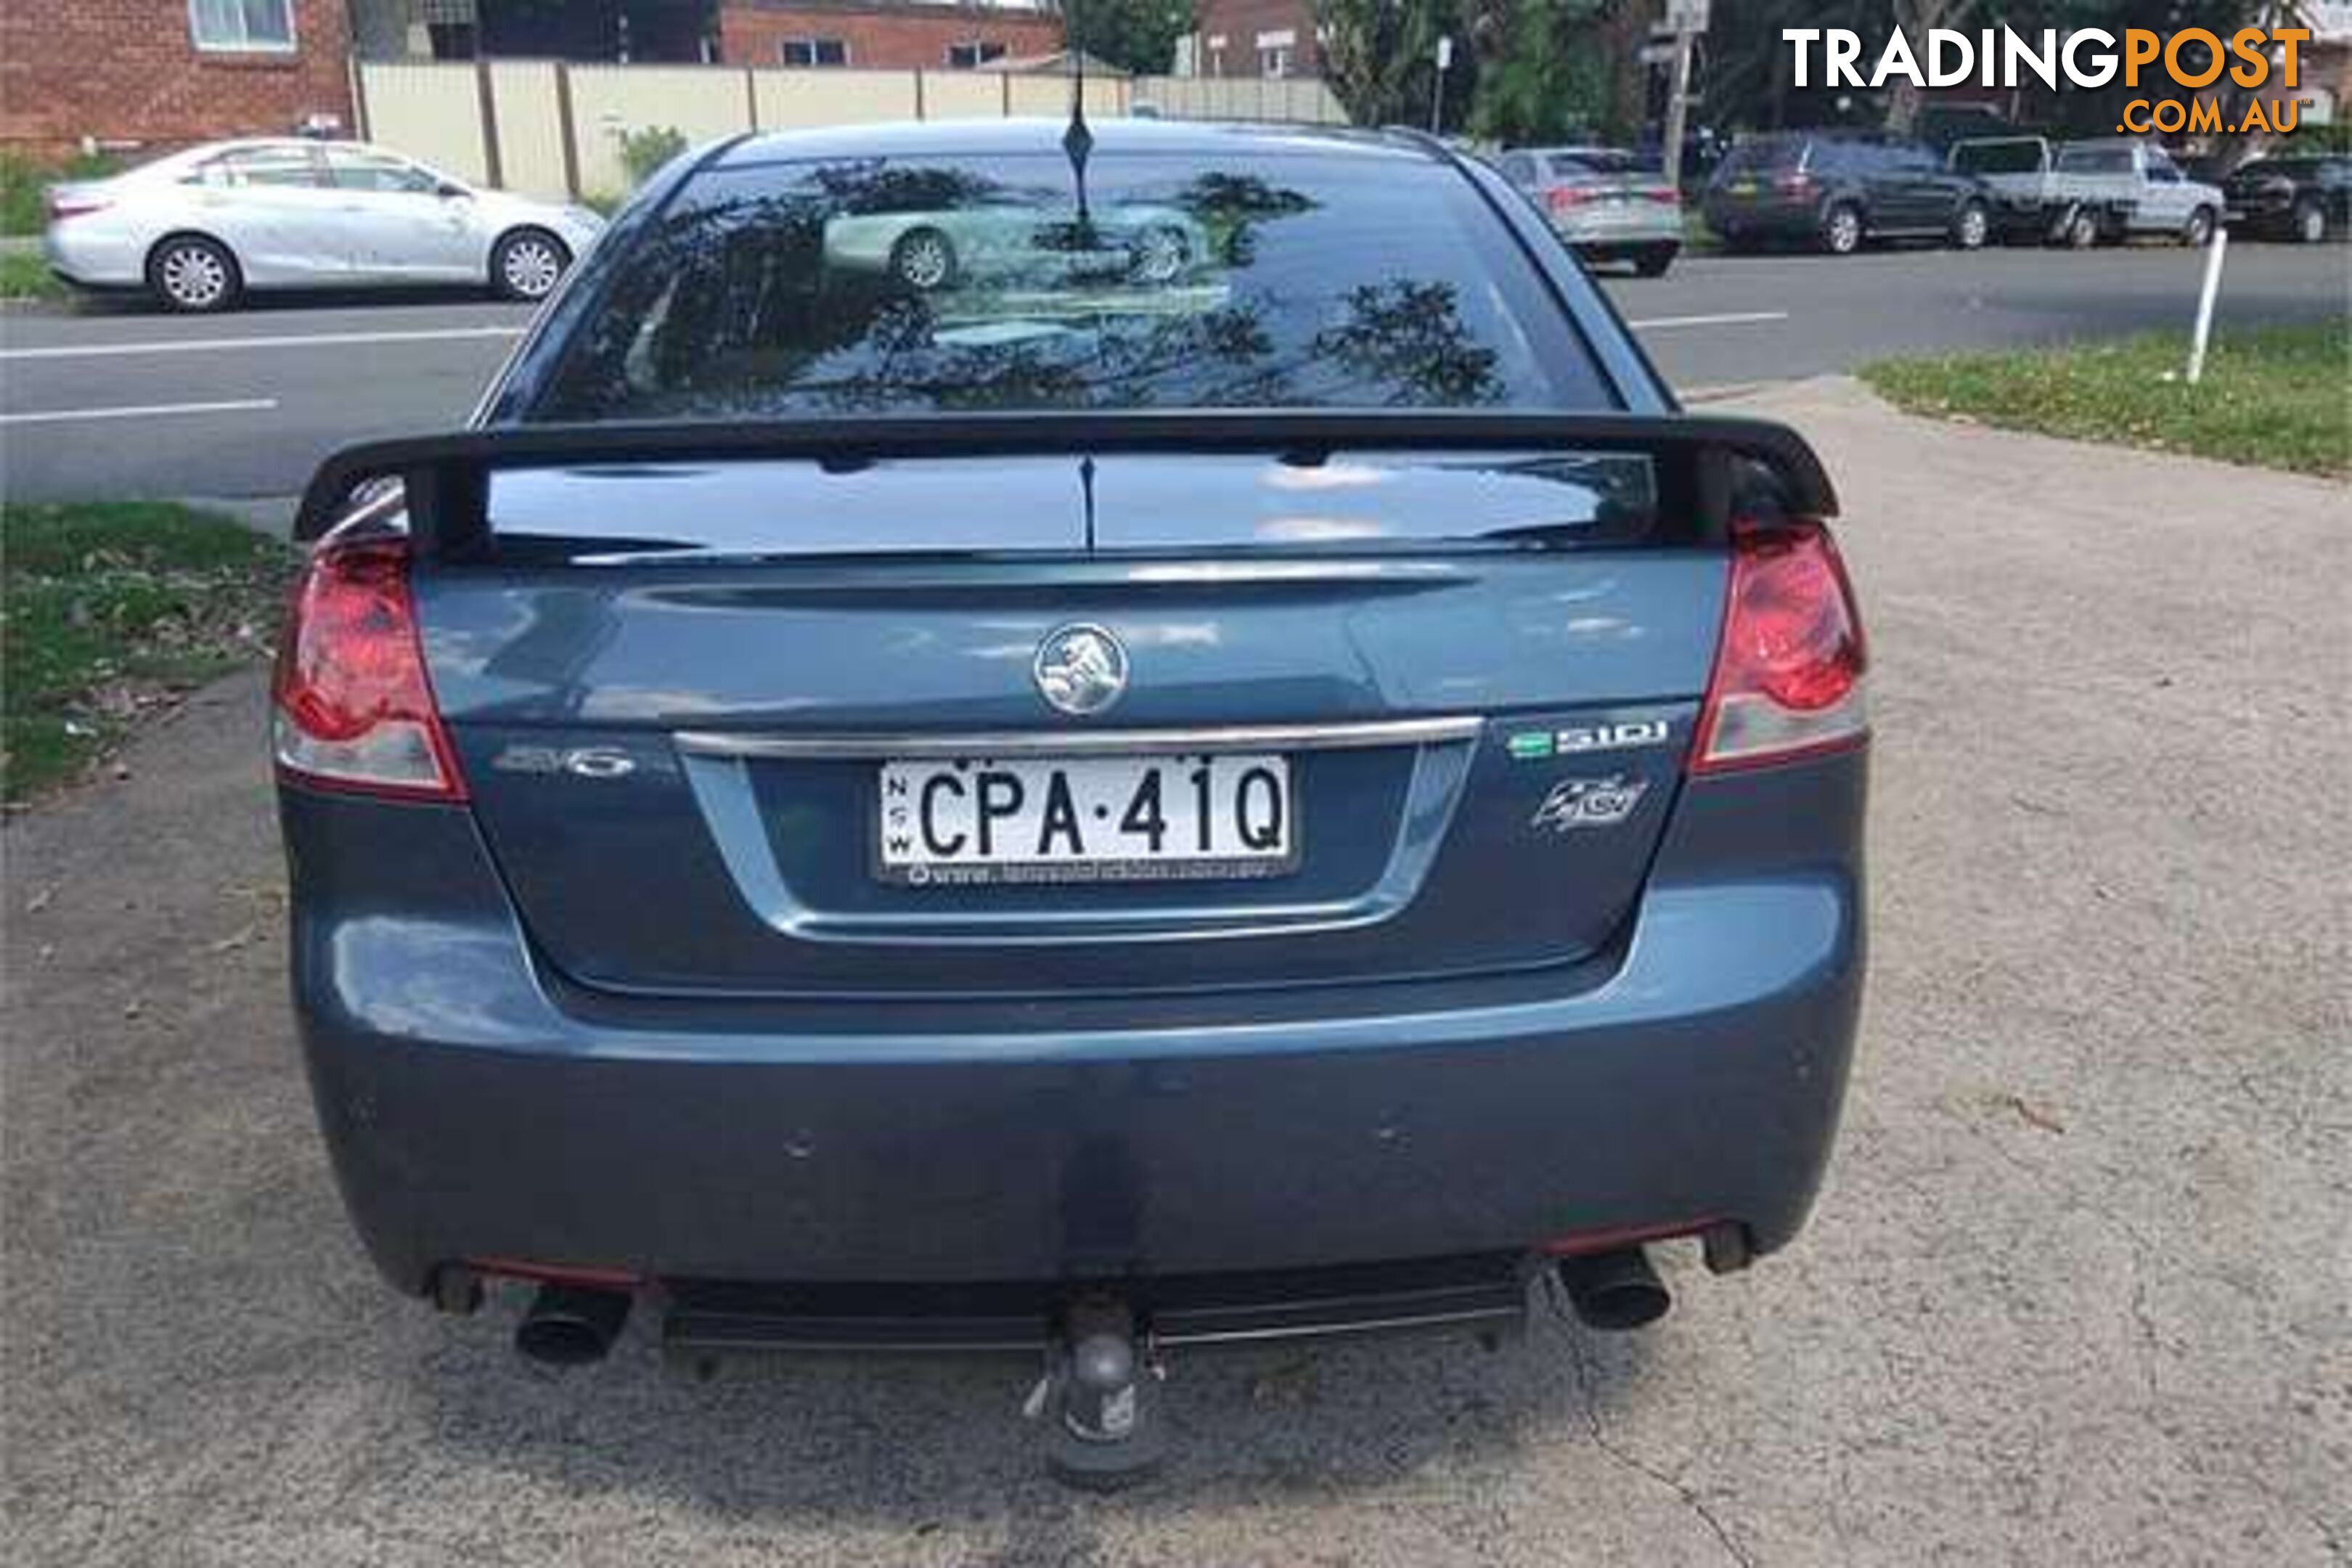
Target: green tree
{"type": "Point", "coordinates": [1381, 57]}
{"type": "Point", "coordinates": [1137, 36]}
{"type": "Point", "coordinates": [1535, 83]}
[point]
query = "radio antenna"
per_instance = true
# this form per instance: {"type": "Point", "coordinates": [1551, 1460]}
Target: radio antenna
{"type": "Point", "coordinates": [1078, 141]}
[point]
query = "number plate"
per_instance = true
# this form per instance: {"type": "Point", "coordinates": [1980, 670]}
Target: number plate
{"type": "Point", "coordinates": [982, 822]}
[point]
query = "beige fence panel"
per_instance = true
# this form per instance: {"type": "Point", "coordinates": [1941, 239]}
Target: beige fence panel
{"type": "Point", "coordinates": [432, 112]}
{"type": "Point", "coordinates": [963, 94]}
{"type": "Point", "coordinates": [528, 104]}
{"type": "Point", "coordinates": [1049, 96]}
{"type": "Point", "coordinates": [786, 99]}
{"type": "Point", "coordinates": [703, 102]}
{"type": "Point", "coordinates": [1296, 99]}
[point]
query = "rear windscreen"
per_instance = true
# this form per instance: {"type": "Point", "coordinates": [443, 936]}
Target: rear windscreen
{"type": "Point", "coordinates": [923, 284]}
{"type": "Point", "coordinates": [1752, 157]}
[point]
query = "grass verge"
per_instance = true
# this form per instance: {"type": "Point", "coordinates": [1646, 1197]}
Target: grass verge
{"type": "Point", "coordinates": [2273, 397]}
{"type": "Point", "coordinates": [111, 610]}
{"type": "Point", "coordinates": [23, 275]}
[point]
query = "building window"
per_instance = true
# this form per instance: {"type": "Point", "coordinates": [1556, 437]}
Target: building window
{"type": "Point", "coordinates": [965, 57]}
{"type": "Point", "coordinates": [1274, 52]}
{"type": "Point", "coordinates": [242, 24]}
{"type": "Point", "coordinates": [815, 52]}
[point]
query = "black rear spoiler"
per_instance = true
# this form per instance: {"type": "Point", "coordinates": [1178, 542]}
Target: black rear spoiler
{"type": "Point", "coordinates": [446, 487]}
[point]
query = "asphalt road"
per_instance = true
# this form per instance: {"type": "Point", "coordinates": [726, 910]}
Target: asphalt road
{"type": "Point", "coordinates": [2075, 1292]}
{"type": "Point", "coordinates": [128, 403]}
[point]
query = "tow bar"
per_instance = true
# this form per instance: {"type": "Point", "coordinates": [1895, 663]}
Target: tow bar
{"type": "Point", "coordinates": [1100, 1398]}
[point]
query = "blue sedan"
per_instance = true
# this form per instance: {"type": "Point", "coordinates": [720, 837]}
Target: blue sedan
{"type": "Point", "coordinates": [1107, 813]}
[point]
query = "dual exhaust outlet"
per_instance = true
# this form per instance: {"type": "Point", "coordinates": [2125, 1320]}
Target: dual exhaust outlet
{"type": "Point", "coordinates": [571, 1324]}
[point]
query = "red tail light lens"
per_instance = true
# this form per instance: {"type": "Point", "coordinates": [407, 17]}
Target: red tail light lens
{"type": "Point", "coordinates": [63, 208]}
{"type": "Point", "coordinates": [1795, 185]}
{"type": "Point", "coordinates": [1561, 198]}
{"type": "Point", "coordinates": [354, 709]}
{"type": "Point", "coordinates": [1788, 677]}
{"type": "Point", "coordinates": [1662, 195]}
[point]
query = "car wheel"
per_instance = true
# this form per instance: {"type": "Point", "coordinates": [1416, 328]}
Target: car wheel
{"type": "Point", "coordinates": [2309, 222]}
{"type": "Point", "coordinates": [1972, 227]}
{"type": "Point", "coordinates": [1159, 255]}
{"type": "Point", "coordinates": [528, 264]}
{"type": "Point", "coordinates": [923, 261]}
{"type": "Point", "coordinates": [188, 272]}
{"type": "Point", "coordinates": [1652, 260]}
{"type": "Point", "coordinates": [2081, 229]}
{"type": "Point", "coordinates": [2199, 231]}
{"type": "Point", "coordinates": [1842, 229]}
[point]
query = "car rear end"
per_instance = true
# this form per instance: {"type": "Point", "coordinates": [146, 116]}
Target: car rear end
{"type": "Point", "coordinates": [1281, 800]}
{"type": "Point", "coordinates": [1766, 190]}
{"type": "Point", "coordinates": [1609, 208]}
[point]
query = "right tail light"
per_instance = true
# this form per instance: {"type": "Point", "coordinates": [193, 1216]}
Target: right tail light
{"type": "Point", "coordinates": [1789, 673]}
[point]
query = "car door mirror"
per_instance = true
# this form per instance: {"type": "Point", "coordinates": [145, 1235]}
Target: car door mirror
{"type": "Point", "coordinates": [449, 190]}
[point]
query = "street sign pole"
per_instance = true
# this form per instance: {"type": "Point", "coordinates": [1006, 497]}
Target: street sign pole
{"type": "Point", "coordinates": [1687, 18]}
{"type": "Point", "coordinates": [1437, 86]}
{"type": "Point", "coordinates": [1678, 106]}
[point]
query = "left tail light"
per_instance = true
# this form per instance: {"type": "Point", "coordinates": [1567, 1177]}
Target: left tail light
{"type": "Point", "coordinates": [1789, 673]}
{"type": "Point", "coordinates": [64, 206]}
{"type": "Point", "coordinates": [1566, 198]}
{"type": "Point", "coordinates": [353, 708]}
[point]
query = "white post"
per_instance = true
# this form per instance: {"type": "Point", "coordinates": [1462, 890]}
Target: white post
{"type": "Point", "coordinates": [2213, 252]}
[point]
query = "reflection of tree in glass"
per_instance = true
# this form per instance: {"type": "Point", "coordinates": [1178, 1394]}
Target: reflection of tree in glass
{"type": "Point", "coordinates": [1407, 338]}
{"type": "Point", "coordinates": [1401, 345]}
{"type": "Point", "coordinates": [1230, 206]}
{"type": "Point", "coordinates": [865, 188]}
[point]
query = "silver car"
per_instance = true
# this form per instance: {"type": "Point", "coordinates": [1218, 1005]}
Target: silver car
{"type": "Point", "coordinates": [1603, 202]}
{"type": "Point", "coordinates": [1007, 239]}
{"type": "Point", "coordinates": [198, 229]}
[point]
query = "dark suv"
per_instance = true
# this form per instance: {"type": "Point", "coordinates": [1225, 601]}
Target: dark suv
{"type": "Point", "coordinates": [2304, 199]}
{"type": "Point", "coordinates": [1836, 191]}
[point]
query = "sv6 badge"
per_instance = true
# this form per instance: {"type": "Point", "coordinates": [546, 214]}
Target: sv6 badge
{"type": "Point", "coordinates": [1573, 804]}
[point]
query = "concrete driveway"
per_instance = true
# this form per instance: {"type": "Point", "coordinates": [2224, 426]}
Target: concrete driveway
{"type": "Point", "coordinates": [2076, 1292]}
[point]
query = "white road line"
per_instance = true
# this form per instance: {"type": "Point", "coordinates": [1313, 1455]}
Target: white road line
{"type": "Point", "coordinates": [220, 345]}
{"type": "Point", "coordinates": [1729, 319]}
{"type": "Point", "coordinates": [141, 410]}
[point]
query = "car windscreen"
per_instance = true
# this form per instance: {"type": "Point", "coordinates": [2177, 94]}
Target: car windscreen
{"type": "Point", "coordinates": [938, 283]}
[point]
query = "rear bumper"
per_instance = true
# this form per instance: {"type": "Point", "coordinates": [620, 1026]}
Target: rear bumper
{"type": "Point", "coordinates": [89, 258]}
{"type": "Point", "coordinates": [476, 1105]}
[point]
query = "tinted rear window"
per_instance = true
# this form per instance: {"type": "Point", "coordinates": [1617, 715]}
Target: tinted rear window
{"type": "Point", "coordinates": [1998, 157]}
{"type": "Point", "coordinates": [1593, 162]}
{"type": "Point", "coordinates": [919, 285]}
{"type": "Point", "coordinates": [1750, 157]}
{"type": "Point", "coordinates": [2095, 160]}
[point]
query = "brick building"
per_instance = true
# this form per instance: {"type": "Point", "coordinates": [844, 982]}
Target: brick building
{"type": "Point", "coordinates": [884, 34]}
{"type": "Point", "coordinates": [162, 72]}
{"type": "Point", "coordinates": [1272, 38]}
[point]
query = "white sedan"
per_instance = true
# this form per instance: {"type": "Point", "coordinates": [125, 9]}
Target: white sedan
{"type": "Point", "coordinates": [198, 229]}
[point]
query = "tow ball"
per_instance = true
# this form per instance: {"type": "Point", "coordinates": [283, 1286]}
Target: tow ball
{"type": "Point", "coordinates": [1099, 1400]}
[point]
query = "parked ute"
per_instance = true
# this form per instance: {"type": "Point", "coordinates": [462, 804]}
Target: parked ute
{"type": "Point", "coordinates": [1837, 191]}
{"type": "Point", "coordinates": [1153, 814]}
{"type": "Point", "coordinates": [2304, 199]}
{"type": "Point", "coordinates": [2035, 199]}
{"type": "Point", "coordinates": [2141, 179]}
{"type": "Point", "coordinates": [198, 229]}
{"type": "Point", "coordinates": [1604, 202]}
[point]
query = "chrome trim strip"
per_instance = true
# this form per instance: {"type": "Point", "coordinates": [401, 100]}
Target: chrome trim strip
{"type": "Point", "coordinates": [1088, 742]}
